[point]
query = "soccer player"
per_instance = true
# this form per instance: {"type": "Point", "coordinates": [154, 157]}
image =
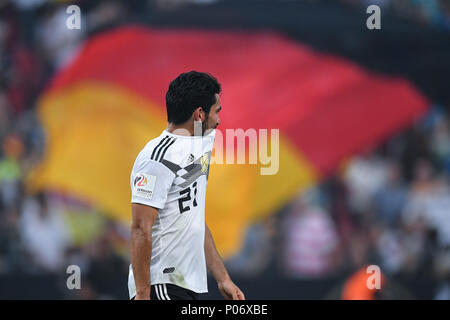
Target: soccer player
{"type": "Point", "coordinates": [171, 246]}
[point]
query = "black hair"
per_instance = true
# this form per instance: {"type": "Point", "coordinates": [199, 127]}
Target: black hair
{"type": "Point", "coordinates": [189, 91]}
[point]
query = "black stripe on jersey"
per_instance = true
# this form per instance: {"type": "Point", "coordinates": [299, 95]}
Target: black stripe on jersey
{"type": "Point", "coordinates": [161, 148]}
{"type": "Point", "coordinates": [165, 149]}
{"type": "Point", "coordinates": [171, 166]}
{"type": "Point", "coordinates": [159, 145]}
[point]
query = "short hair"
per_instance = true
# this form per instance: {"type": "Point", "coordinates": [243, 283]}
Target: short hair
{"type": "Point", "coordinates": [189, 91]}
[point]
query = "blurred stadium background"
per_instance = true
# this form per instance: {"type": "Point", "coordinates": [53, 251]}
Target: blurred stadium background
{"type": "Point", "coordinates": [364, 142]}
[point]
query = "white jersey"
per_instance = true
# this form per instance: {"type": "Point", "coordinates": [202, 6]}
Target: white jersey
{"type": "Point", "coordinates": [171, 174]}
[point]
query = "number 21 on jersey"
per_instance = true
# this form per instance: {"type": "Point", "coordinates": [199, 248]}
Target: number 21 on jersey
{"type": "Point", "coordinates": [182, 202]}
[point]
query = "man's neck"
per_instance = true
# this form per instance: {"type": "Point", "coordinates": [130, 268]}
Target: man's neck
{"type": "Point", "coordinates": [185, 129]}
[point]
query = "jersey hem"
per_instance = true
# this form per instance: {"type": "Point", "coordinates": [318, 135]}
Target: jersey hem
{"type": "Point", "coordinates": [196, 290]}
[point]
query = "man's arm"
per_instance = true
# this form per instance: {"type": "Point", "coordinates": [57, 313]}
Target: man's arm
{"type": "Point", "coordinates": [215, 265]}
{"type": "Point", "coordinates": [141, 247]}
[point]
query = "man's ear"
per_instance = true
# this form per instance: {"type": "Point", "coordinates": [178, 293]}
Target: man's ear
{"type": "Point", "coordinates": [199, 114]}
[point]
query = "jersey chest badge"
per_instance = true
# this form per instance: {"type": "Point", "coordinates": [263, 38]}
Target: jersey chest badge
{"type": "Point", "coordinates": [205, 162]}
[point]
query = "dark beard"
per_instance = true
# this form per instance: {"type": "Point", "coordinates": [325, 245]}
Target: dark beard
{"type": "Point", "coordinates": [205, 130]}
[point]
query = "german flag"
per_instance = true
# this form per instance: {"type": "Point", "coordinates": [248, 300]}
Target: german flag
{"type": "Point", "coordinates": [102, 109]}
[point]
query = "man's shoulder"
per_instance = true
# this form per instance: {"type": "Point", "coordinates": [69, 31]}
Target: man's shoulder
{"type": "Point", "coordinates": [174, 152]}
{"type": "Point", "coordinates": [163, 149]}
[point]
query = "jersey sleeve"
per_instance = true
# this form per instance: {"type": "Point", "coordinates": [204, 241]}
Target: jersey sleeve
{"type": "Point", "coordinates": [150, 184]}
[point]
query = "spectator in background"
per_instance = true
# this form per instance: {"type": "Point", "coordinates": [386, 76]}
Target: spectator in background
{"type": "Point", "coordinates": [438, 211]}
{"type": "Point", "coordinates": [106, 264]}
{"type": "Point", "coordinates": [44, 233]}
{"type": "Point", "coordinates": [415, 225]}
{"type": "Point", "coordinates": [13, 257]}
{"type": "Point", "coordinates": [58, 45]}
{"type": "Point", "coordinates": [10, 170]}
{"type": "Point", "coordinates": [364, 176]}
{"type": "Point", "coordinates": [257, 250]}
{"type": "Point", "coordinates": [107, 13]}
{"type": "Point", "coordinates": [390, 250]}
{"type": "Point", "coordinates": [421, 190]}
{"type": "Point", "coordinates": [440, 143]}
{"type": "Point", "coordinates": [5, 120]}
{"type": "Point", "coordinates": [310, 240]}
{"type": "Point", "coordinates": [427, 10]}
{"type": "Point", "coordinates": [359, 248]}
{"type": "Point", "coordinates": [390, 198]}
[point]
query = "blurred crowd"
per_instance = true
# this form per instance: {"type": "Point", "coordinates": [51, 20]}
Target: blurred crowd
{"type": "Point", "coordinates": [388, 207]}
{"type": "Point", "coordinates": [44, 233]}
